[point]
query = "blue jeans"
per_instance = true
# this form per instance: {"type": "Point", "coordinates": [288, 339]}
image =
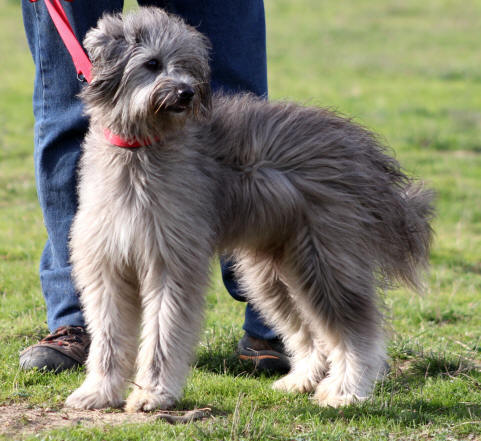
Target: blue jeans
{"type": "Point", "coordinates": [236, 29]}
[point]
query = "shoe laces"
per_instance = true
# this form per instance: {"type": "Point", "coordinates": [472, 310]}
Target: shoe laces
{"type": "Point", "coordinates": [66, 335]}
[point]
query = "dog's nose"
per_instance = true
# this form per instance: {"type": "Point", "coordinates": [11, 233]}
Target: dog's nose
{"type": "Point", "coordinates": [185, 93]}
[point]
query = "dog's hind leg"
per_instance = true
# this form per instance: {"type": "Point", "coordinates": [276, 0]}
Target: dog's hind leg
{"type": "Point", "coordinates": [172, 316]}
{"type": "Point", "coordinates": [111, 307]}
{"type": "Point", "coordinates": [337, 297]}
{"type": "Point", "coordinates": [260, 280]}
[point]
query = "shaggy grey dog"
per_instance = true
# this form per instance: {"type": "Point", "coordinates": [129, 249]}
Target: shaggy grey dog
{"type": "Point", "coordinates": [313, 210]}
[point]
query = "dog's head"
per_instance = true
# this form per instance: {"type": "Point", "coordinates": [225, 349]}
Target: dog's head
{"type": "Point", "coordinates": [150, 73]}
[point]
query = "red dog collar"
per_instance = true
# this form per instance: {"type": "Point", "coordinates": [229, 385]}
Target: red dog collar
{"type": "Point", "coordinates": [121, 142]}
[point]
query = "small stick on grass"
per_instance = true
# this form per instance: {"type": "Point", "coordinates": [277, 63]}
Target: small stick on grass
{"type": "Point", "coordinates": [184, 417]}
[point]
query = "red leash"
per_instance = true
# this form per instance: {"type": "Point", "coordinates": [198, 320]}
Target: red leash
{"type": "Point", "coordinates": [80, 59]}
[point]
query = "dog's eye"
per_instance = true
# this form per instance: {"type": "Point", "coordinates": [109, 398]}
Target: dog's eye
{"type": "Point", "coordinates": [153, 65]}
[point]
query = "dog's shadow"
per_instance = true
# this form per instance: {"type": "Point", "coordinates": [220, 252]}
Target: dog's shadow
{"type": "Point", "coordinates": [399, 398]}
{"type": "Point", "coordinates": [414, 393]}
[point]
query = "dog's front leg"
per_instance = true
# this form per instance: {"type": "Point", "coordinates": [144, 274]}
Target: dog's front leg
{"type": "Point", "coordinates": [172, 315]}
{"type": "Point", "coordinates": [112, 312]}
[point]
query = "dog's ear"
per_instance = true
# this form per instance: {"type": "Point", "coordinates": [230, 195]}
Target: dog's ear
{"type": "Point", "coordinates": [106, 41]}
{"type": "Point", "coordinates": [107, 48]}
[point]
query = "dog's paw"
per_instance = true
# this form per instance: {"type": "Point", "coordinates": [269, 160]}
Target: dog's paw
{"type": "Point", "coordinates": [146, 400]}
{"type": "Point", "coordinates": [295, 382]}
{"type": "Point", "coordinates": [84, 398]}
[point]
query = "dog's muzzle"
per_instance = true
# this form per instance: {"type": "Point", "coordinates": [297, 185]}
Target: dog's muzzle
{"type": "Point", "coordinates": [174, 98]}
{"type": "Point", "coordinates": [184, 95]}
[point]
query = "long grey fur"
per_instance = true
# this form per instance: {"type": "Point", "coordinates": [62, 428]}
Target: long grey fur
{"type": "Point", "coordinates": [315, 212]}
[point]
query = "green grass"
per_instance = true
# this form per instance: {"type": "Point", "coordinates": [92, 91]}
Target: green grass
{"type": "Point", "coordinates": [409, 70]}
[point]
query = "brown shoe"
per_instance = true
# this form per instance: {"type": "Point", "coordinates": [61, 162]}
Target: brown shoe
{"type": "Point", "coordinates": [65, 348]}
{"type": "Point", "coordinates": [267, 355]}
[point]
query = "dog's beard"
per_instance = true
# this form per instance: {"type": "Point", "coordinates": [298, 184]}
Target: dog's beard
{"type": "Point", "coordinates": [157, 110]}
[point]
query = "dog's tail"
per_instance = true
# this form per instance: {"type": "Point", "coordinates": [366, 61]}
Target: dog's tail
{"type": "Point", "coordinates": [405, 256]}
{"type": "Point", "coordinates": [415, 235]}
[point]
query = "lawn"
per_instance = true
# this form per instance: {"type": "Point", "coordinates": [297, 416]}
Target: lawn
{"type": "Point", "coordinates": [409, 70]}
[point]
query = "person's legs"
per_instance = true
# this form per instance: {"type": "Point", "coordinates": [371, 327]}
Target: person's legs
{"type": "Point", "coordinates": [253, 323]}
{"type": "Point", "coordinates": [237, 32]}
{"type": "Point", "coordinates": [59, 130]}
